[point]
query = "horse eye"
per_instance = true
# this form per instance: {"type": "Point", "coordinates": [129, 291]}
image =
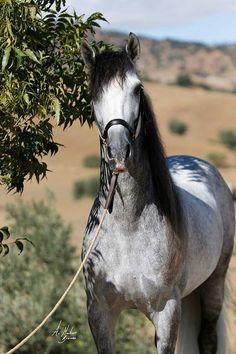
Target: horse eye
{"type": "Point", "coordinates": [137, 90]}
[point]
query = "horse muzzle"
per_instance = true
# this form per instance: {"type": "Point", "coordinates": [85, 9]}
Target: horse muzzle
{"type": "Point", "coordinates": [118, 156]}
{"type": "Point", "coordinates": [118, 136]}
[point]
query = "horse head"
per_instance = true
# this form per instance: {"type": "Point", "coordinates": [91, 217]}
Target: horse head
{"type": "Point", "coordinates": [116, 94]}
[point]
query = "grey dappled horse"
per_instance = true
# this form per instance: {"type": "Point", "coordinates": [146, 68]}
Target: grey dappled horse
{"type": "Point", "coordinates": [165, 246]}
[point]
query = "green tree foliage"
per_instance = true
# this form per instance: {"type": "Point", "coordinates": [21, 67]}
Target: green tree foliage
{"type": "Point", "coordinates": [92, 161]}
{"type": "Point", "coordinates": [228, 138]}
{"type": "Point", "coordinates": [41, 76]}
{"type": "Point", "coordinates": [178, 127]}
{"type": "Point", "coordinates": [134, 334]}
{"type": "Point", "coordinates": [218, 158]}
{"type": "Point", "coordinates": [86, 188]}
{"type": "Point", "coordinates": [32, 282]}
{"type": "Point", "coordinates": [184, 80]}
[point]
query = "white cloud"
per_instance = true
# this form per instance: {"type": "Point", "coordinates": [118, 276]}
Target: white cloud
{"type": "Point", "coordinates": [145, 14]}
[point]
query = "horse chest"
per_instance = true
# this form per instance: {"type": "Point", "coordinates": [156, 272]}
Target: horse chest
{"type": "Point", "coordinates": [134, 266]}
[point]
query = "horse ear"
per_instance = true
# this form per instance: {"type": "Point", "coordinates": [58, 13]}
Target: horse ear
{"type": "Point", "coordinates": [133, 47]}
{"type": "Point", "coordinates": [87, 54]}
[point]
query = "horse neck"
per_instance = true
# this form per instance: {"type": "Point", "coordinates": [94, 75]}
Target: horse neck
{"type": "Point", "coordinates": [134, 188]}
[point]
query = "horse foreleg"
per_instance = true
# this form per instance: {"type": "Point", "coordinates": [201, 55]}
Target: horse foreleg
{"type": "Point", "coordinates": [102, 324]}
{"type": "Point", "coordinates": [166, 324]}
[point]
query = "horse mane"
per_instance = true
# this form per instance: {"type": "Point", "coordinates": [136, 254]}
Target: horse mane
{"type": "Point", "coordinates": [167, 199]}
{"type": "Point", "coordinates": [109, 65]}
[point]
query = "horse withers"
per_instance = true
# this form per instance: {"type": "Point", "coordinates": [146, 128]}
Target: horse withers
{"type": "Point", "coordinates": [165, 246]}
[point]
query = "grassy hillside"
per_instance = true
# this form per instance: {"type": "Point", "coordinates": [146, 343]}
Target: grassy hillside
{"type": "Point", "coordinates": [162, 61]}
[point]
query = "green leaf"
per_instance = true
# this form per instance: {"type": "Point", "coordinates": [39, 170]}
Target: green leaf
{"type": "Point", "coordinates": [8, 23]}
{"type": "Point", "coordinates": [4, 231]}
{"type": "Point", "coordinates": [96, 16]}
{"type": "Point", "coordinates": [32, 12]}
{"type": "Point", "coordinates": [5, 58]}
{"type": "Point", "coordinates": [26, 98]}
{"type": "Point", "coordinates": [19, 52]}
{"type": "Point", "coordinates": [20, 246]}
{"type": "Point", "coordinates": [25, 239]}
{"type": "Point", "coordinates": [31, 55]}
{"type": "Point", "coordinates": [57, 108]}
{"type": "Point", "coordinates": [52, 16]}
{"type": "Point", "coordinates": [66, 15]}
{"type": "Point", "coordinates": [6, 250]}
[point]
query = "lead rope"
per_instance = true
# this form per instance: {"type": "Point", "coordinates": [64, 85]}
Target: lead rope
{"type": "Point", "coordinates": [108, 202]}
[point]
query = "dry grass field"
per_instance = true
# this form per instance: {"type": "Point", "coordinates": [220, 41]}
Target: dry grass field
{"type": "Point", "coordinates": [205, 114]}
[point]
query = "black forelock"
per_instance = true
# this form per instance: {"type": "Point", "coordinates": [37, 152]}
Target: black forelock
{"type": "Point", "coordinates": [107, 66]}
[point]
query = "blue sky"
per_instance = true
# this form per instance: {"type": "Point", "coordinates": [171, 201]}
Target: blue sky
{"type": "Point", "coordinates": [209, 21]}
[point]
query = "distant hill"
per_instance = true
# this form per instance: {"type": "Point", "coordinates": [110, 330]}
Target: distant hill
{"type": "Point", "coordinates": [164, 60]}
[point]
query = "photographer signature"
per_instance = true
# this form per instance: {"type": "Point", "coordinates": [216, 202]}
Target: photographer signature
{"type": "Point", "coordinates": [64, 333]}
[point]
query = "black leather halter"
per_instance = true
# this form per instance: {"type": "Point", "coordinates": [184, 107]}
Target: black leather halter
{"type": "Point", "coordinates": [119, 121]}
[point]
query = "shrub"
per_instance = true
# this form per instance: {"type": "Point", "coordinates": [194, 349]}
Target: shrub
{"type": "Point", "coordinates": [133, 334]}
{"type": "Point", "coordinates": [32, 283]}
{"type": "Point", "coordinates": [228, 138]}
{"type": "Point", "coordinates": [217, 158]}
{"type": "Point", "coordinates": [184, 80]}
{"type": "Point", "coordinates": [92, 161]}
{"type": "Point", "coordinates": [177, 127]}
{"type": "Point", "coordinates": [86, 188]}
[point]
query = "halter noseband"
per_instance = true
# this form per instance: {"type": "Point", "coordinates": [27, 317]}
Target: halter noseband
{"type": "Point", "coordinates": [117, 121]}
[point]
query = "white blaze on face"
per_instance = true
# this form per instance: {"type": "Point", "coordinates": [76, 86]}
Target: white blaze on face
{"type": "Point", "coordinates": [119, 101]}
